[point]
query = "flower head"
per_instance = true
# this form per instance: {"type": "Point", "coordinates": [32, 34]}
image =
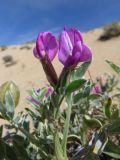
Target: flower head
{"type": "Point", "coordinates": [46, 45]}
{"type": "Point", "coordinates": [72, 49]}
{"type": "Point", "coordinates": [46, 50]}
{"type": "Point", "coordinates": [33, 101]}
{"type": "Point", "coordinates": [50, 90]}
{"type": "Point", "coordinates": [35, 98]}
{"type": "Point", "coordinates": [96, 89]}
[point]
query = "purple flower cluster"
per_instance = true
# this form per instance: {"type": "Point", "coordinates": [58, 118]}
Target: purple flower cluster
{"type": "Point", "coordinates": [96, 89]}
{"type": "Point", "coordinates": [37, 102]}
{"type": "Point", "coordinates": [46, 44]}
{"type": "Point", "coordinates": [70, 47]}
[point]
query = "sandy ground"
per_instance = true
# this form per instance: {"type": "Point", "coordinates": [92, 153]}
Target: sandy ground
{"type": "Point", "coordinates": [27, 71]}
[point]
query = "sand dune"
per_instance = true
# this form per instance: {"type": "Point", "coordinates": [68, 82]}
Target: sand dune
{"type": "Point", "coordinates": [27, 72]}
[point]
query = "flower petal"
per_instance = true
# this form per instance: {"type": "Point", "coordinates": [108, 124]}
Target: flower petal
{"type": "Point", "coordinates": [74, 34]}
{"type": "Point", "coordinates": [35, 52]}
{"type": "Point", "coordinates": [86, 53]}
{"type": "Point", "coordinates": [77, 51]}
{"type": "Point", "coordinates": [33, 101]}
{"type": "Point", "coordinates": [49, 91]}
{"type": "Point", "coordinates": [46, 44]}
{"type": "Point", "coordinates": [40, 45]}
{"type": "Point", "coordinates": [96, 89]}
{"type": "Point", "coordinates": [65, 48]}
{"type": "Point", "coordinates": [52, 47]}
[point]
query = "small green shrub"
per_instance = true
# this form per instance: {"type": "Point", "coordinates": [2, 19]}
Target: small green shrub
{"type": "Point", "coordinates": [110, 31]}
{"type": "Point", "coordinates": [3, 48]}
{"type": "Point", "coordinates": [8, 60]}
{"type": "Point", "coordinates": [25, 47]}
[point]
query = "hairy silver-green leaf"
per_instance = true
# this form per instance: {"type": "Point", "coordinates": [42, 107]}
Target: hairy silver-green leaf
{"type": "Point", "coordinates": [112, 150]}
{"type": "Point", "coordinates": [115, 67]}
{"type": "Point", "coordinates": [75, 85]}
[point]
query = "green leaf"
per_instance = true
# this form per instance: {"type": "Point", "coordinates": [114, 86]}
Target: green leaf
{"type": "Point", "coordinates": [9, 126]}
{"type": "Point", "coordinates": [77, 98]}
{"type": "Point", "coordinates": [20, 150]}
{"type": "Point", "coordinates": [114, 128]}
{"type": "Point", "coordinates": [112, 150]}
{"type": "Point", "coordinates": [91, 122]}
{"type": "Point", "coordinates": [75, 85]}
{"type": "Point", "coordinates": [92, 156]}
{"type": "Point", "coordinates": [115, 114]}
{"type": "Point", "coordinates": [55, 100]}
{"type": "Point", "coordinates": [115, 67]}
{"type": "Point", "coordinates": [107, 108]}
{"type": "Point", "coordinates": [2, 109]}
{"type": "Point", "coordinates": [17, 119]}
{"type": "Point", "coordinates": [94, 96]}
{"type": "Point", "coordinates": [81, 70]}
{"type": "Point", "coordinates": [42, 93]}
{"type": "Point", "coordinates": [18, 139]}
{"type": "Point", "coordinates": [2, 150]}
{"type": "Point", "coordinates": [64, 79]}
{"type": "Point", "coordinates": [33, 114]}
{"type": "Point", "coordinates": [10, 153]}
{"type": "Point", "coordinates": [9, 104]}
{"type": "Point", "coordinates": [1, 117]}
{"type": "Point", "coordinates": [83, 94]}
{"type": "Point", "coordinates": [26, 124]}
{"type": "Point", "coordinates": [12, 88]}
{"type": "Point", "coordinates": [1, 130]}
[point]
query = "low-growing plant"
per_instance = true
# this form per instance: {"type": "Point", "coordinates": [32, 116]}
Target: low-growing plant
{"type": "Point", "coordinates": [25, 47]}
{"type": "Point", "coordinates": [110, 31]}
{"type": "Point", "coordinates": [3, 48]}
{"type": "Point", "coordinates": [72, 118]}
{"type": "Point", "coordinates": [8, 60]}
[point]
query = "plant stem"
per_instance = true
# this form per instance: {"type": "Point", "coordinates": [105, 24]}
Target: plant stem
{"type": "Point", "coordinates": [66, 127]}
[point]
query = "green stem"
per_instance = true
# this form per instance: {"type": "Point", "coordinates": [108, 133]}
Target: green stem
{"type": "Point", "coordinates": [66, 127]}
{"type": "Point", "coordinates": [58, 109]}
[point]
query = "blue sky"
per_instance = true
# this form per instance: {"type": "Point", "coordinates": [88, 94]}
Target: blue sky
{"type": "Point", "coordinates": [21, 20]}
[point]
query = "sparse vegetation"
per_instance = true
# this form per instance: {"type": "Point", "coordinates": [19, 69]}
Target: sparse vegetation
{"type": "Point", "coordinates": [25, 47]}
{"type": "Point", "coordinates": [8, 60]}
{"type": "Point", "coordinates": [3, 48]}
{"type": "Point", "coordinates": [110, 31]}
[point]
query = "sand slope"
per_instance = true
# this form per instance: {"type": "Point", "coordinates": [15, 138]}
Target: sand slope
{"type": "Point", "coordinates": [28, 73]}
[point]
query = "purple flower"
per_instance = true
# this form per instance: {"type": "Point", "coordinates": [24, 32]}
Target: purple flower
{"type": "Point", "coordinates": [46, 45]}
{"type": "Point", "coordinates": [49, 91]}
{"type": "Point", "coordinates": [96, 89]}
{"type": "Point", "coordinates": [46, 50]}
{"type": "Point", "coordinates": [33, 101]}
{"type": "Point", "coordinates": [72, 49]}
